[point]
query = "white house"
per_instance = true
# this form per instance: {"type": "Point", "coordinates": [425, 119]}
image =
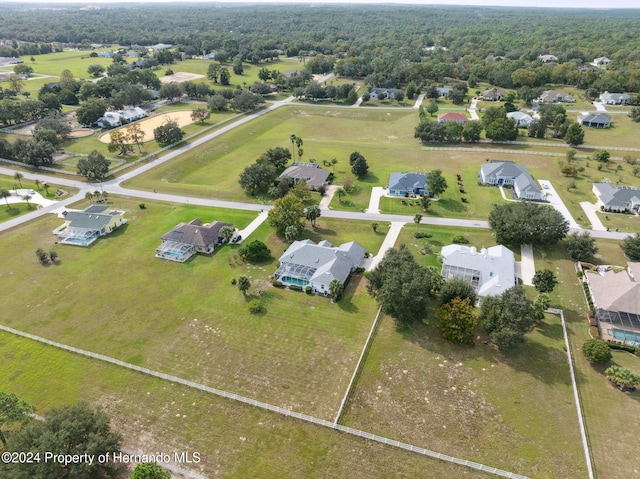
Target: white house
{"type": "Point", "coordinates": [614, 98]}
{"type": "Point", "coordinates": [382, 93]}
{"type": "Point", "coordinates": [618, 199]}
{"type": "Point", "coordinates": [522, 120]}
{"type": "Point", "coordinates": [491, 271]}
{"type": "Point", "coordinates": [601, 61]}
{"type": "Point", "coordinates": [81, 228]}
{"type": "Point", "coordinates": [500, 173]}
{"type": "Point", "coordinates": [306, 263]}
{"type": "Point", "coordinates": [548, 58]}
{"type": "Point", "coordinates": [111, 119]}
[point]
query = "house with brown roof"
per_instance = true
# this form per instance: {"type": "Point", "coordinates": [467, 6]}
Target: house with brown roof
{"type": "Point", "coordinates": [457, 117]}
{"type": "Point", "coordinates": [555, 96]}
{"type": "Point", "coordinates": [616, 300]}
{"type": "Point", "coordinates": [187, 239]}
{"type": "Point", "coordinates": [494, 94]}
{"type": "Point", "coordinates": [311, 173]}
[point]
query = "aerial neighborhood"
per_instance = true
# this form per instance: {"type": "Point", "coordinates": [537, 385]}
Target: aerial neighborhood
{"type": "Point", "coordinates": [281, 241]}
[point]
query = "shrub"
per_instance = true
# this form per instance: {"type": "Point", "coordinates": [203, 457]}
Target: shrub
{"type": "Point", "coordinates": [459, 239]}
{"type": "Point", "coordinates": [359, 269]}
{"type": "Point", "coordinates": [623, 347]}
{"type": "Point", "coordinates": [579, 274]}
{"type": "Point", "coordinates": [256, 306]}
{"type": "Point", "coordinates": [295, 287]}
{"type": "Point", "coordinates": [277, 284]}
{"type": "Point", "coordinates": [596, 351]}
{"type": "Point", "coordinates": [308, 290]}
{"type": "Point", "coordinates": [255, 251]}
{"type": "Point", "coordinates": [142, 206]}
{"type": "Point", "coordinates": [419, 235]}
{"type": "Point", "coordinates": [234, 281]}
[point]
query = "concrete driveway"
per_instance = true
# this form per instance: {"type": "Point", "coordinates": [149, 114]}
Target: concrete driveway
{"type": "Point", "coordinates": [554, 199]}
{"type": "Point", "coordinates": [377, 192]}
{"type": "Point", "coordinates": [590, 210]}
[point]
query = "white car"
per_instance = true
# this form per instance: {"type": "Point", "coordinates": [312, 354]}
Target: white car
{"type": "Point", "coordinates": [32, 192]}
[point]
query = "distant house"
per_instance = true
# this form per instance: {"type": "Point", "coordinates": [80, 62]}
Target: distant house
{"type": "Point", "coordinates": [491, 271]}
{"type": "Point", "coordinates": [405, 184]}
{"type": "Point", "coordinates": [614, 98]}
{"type": "Point", "coordinates": [601, 61]}
{"type": "Point", "coordinates": [548, 58]}
{"type": "Point", "coordinates": [502, 173]}
{"type": "Point", "coordinates": [617, 198]}
{"type": "Point", "coordinates": [589, 67]}
{"type": "Point", "coordinates": [112, 119]}
{"type": "Point", "coordinates": [555, 96]}
{"type": "Point", "coordinates": [161, 46]}
{"type": "Point", "coordinates": [106, 54]}
{"type": "Point", "coordinates": [187, 239]}
{"type": "Point", "coordinates": [314, 176]}
{"type": "Point", "coordinates": [209, 56]}
{"type": "Point", "coordinates": [306, 263]}
{"type": "Point", "coordinates": [616, 301]}
{"type": "Point", "coordinates": [457, 117]}
{"type": "Point", "coordinates": [494, 94]}
{"type": "Point", "coordinates": [444, 92]}
{"type": "Point", "coordinates": [382, 93]}
{"type": "Point", "coordinates": [81, 228]}
{"type": "Point", "coordinates": [595, 120]}
{"type": "Point", "coordinates": [522, 120]}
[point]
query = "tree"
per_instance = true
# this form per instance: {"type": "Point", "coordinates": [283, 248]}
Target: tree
{"type": "Point", "coordinates": [336, 288]}
{"type": "Point", "coordinates": [170, 91]}
{"type": "Point", "coordinates": [458, 320]}
{"type": "Point", "coordinates": [225, 76]}
{"type": "Point", "coordinates": [41, 255]}
{"type": "Point", "coordinates": [149, 470]}
{"type": "Point", "coordinates": [291, 233]}
{"type": "Point", "coordinates": [501, 129]}
{"type": "Point", "coordinates": [168, 134]}
{"type": "Point", "coordinates": [430, 132]}
{"type": "Point", "coordinates": [312, 213]}
{"type": "Point", "coordinates": [278, 157]}
{"type": "Point", "coordinates": [623, 378]}
{"type": "Point", "coordinates": [417, 219]}
{"type": "Point", "coordinates": [73, 430]}
{"type": "Point", "coordinates": [119, 142]}
{"type": "Point", "coordinates": [5, 194]}
{"type": "Point", "coordinates": [574, 135]}
{"type": "Point", "coordinates": [581, 246]}
{"type": "Point", "coordinates": [95, 70]}
{"type": "Point", "coordinates": [27, 198]}
{"type": "Point", "coordinates": [287, 211]}
{"type": "Point", "coordinates": [264, 74]}
{"type": "Point", "coordinates": [436, 182]}
{"type": "Point", "coordinates": [255, 252]}
{"type": "Point", "coordinates": [471, 131]}
{"type": "Point", "coordinates": [246, 101]}
{"type": "Point", "coordinates": [596, 351]}
{"type": "Point", "coordinates": [603, 156]}
{"type": "Point", "coordinates": [237, 66]}
{"type": "Point", "coordinates": [94, 167]}
{"type": "Point", "coordinates": [226, 232]}
{"type": "Point", "coordinates": [18, 177]}
{"type": "Point", "coordinates": [23, 69]}
{"type": "Point", "coordinates": [243, 285]}
{"type": "Point", "coordinates": [527, 223]}
{"type": "Point", "coordinates": [90, 111]}
{"type": "Point", "coordinates": [453, 131]}
{"type": "Point", "coordinates": [67, 81]}
{"type": "Point", "coordinates": [39, 153]}
{"type": "Point", "coordinates": [258, 177]}
{"type": "Point", "coordinates": [425, 202]}
{"type": "Point", "coordinates": [507, 318]}
{"type": "Point", "coordinates": [432, 107]}
{"type": "Point", "coordinates": [135, 135]}
{"type": "Point", "coordinates": [354, 156]}
{"type": "Point", "coordinates": [360, 167]}
{"type": "Point", "coordinates": [457, 288]}
{"type": "Point", "coordinates": [13, 412]}
{"type": "Point", "coordinates": [341, 192]}
{"type": "Point", "coordinates": [217, 103]}
{"type": "Point", "coordinates": [213, 72]}
{"type": "Point", "coordinates": [200, 114]}
{"type": "Point", "coordinates": [634, 114]}
{"type": "Point", "coordinates": [569, 170]}
{"type": "Point", "coordinates": [400, 285]}
{"type": "Point", "coordinates": [631, 247]}
{"type": "Point", "coordinates": [544, 281]}
{"type": "Point", "coordinates": [374, 227]}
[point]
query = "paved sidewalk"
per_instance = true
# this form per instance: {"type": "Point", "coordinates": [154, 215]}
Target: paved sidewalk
{"type": "Point", "coordinates": [389, 240]}
{"type": "Point", "coordinates": [377, 192]}
{"type": "Point", "coordinates": [590, 210]}
{"type": "Point", "coordinates": [527, 264]}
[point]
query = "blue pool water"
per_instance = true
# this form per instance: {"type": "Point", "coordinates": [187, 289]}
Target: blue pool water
{"type": "Point", "coordinates": [629, 336]}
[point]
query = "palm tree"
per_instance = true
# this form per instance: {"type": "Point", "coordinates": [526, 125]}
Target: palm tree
{"type": "Point", "coordinates": [623, 378]}
{"type": "Point", "coordinates": [88, 196]}
{"type": "Point", "coordinates": [374, 226]}
{"type": "Point", "coordinates": [336, 288]}
{"type": "Point", "coordinates": [105, 195]}
{"type": "Point", "coordinates": [226, 232]}
{"type": "Point", "coordinates": [27, 198]}
{"type": "Point", "coordinates": [299, 143]}
{"type": "Point", "coordinates": [333, 162]}
{"type": "Point", "coordinates": [416, 219]}
{"type": "Point", "coordinates": [18, 177]}
{"type": "Point", "coordinates": [5, 194]}
{"type": "Point", "coordinates": [39, 184]}
{"type": "Point", "coordinates": [341, 192]}
{"type": "Point", "coordinates": [293, 145]}
{"type": "Point", "coordinates": [243, 285]}
{"type": "Point", "coordinates": [46, 188]}
{"type": "Point", "coordinates": [312, 213]}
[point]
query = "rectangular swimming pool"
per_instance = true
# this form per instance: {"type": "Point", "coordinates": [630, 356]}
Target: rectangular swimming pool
{"type": "Point", "coordinates": [631, 337]}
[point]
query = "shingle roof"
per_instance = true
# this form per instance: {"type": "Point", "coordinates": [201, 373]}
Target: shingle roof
{"type": "Point", "coordinates": [452, 117]}
{"type": "Point", "coordinates": [594, 118]}
{"type": "Point", "coordinates": [614, 195]}
{"type": "Point", "coordinates": [91, 218]}
{"type": "Point", "coordinates": [407, 181]}
{"type": "Point", "coordinates": [195, 233]}
{"type": "Point", "coordinates": [313, 175]}
{"type": "Point", "coordinates": [521, 175]}
{"type": "Point", "coordinates": [615, 291]}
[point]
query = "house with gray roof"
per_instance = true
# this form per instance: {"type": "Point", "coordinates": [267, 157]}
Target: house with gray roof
{"type": "Point", "coordinates": [306, 263]}
{"type": "Point", "coordinates": [444, 92]}
{"type": "Point", "coordinates": [616, 300]}
{"type": "Point", "coordinates": [616, 198]}
{"type": "Point", "coordinates": [382, 93]}
{"type": "Point", "coordinates": [521, 119]}
{"type": "Point", "coordinates": [187, 239]}
{"type": "Point", "coordinates": [595, 120]}
{"type": "Point", "coordinates": [112, 119]}
{"type": "Point", "coordinates": [81, 228]}
{"type": "Point", "coordinates": [311, 173]}
{"type": "Point", "coordinates": [507, 173]}
{"type": "Point", "coordinates": [548, 58]}
{"type": "Point", "coordinates": [555, 96]}
{"type": "Point", "coordinates": [491, 271]}
{"type": "Point", "coordinates": [614, 98]}
{"type": "Point", "coordinates": [601, 61]}
{"type": "Point", "coordinates": [494, 94]}
{"type": "Point", "coordinates": [405, 184]}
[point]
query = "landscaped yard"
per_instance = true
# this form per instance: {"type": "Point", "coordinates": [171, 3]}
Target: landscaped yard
{"type": "Point", "coordinates": [12, 210]}
{"type": "Point", "coordinates": [117, 299]}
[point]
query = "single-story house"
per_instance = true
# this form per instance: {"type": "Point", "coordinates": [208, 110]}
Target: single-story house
{"type": "Point", "coordinates": [491, 271]}
{"type": "Point", "coordinates": [106, 54]}
{"type": "Point", "coordinates": [187, 239]}
{"type": "Point", "coordinates": [616, 301]}
{"type": "Point", "coordinates": [589, 67]}
{"type": "Point", "coordinates": [405, 184]}
{"type": "Point", "coordinates": [112, 119]}
{"type": "Point", "coordinates": [614, 98]}
{"type": "Point", "coordinates": [618, 199]}
{"type": "Point", "coordinates": [601, 61]}
{"type": "Point", "coordinates": [548, 58]}
{"type": "Point", "coordinates": [457, 117]}
{"type": "Point", "coordinates": [499, 173]}
{"type": "Point", "coordinates": [306, 263]}
{"type": "Point", "coordinates": [494, 94]}
{"type": "Point", "coordinates": [161, 46]}
{"type": "Point", "coordinates": [595, 120]}
{"type": "Point", "coordinates": [390, 93]}
{"type": "Point", "coordinates": [444, 91]}
{"type": "Point", "coordinates": [522, 120]}
{"type": "Point", "coordinates": [209, 56]}
{"type": "Point", "coordinates": [309, 172]}
{"type": "Point", "coordinates": [555, 96]}
{"type": "Point", "coordinates": [81, 228]}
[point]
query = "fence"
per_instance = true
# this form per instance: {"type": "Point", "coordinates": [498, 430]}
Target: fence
{"type": "Point", "coordinates": [269, 407]}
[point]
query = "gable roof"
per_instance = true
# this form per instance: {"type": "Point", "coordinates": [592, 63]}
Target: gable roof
{"type": "Point", "coordinates": [452, 117]}
{"type": "Point", "coordinates": [613, 291]}
{"type": "Point", "coordinates": [407, 181]}
{"type": "Point", "coordinates": [522, 178]}
{"type": "Point", "coordinates": [616, 97]}
{"type": "Point", "coordinates": [91, 218]}
{"type": "Point", "coordinates": [594, 118]}
{"type": "Point", "coordinates": [195, 233]}
{"type": "Point", "coordinates": [553, 95]}
{"type": "Point", "coordinates": [614, 195]}
{"type": "Point", "coordinates": [491, 271]}
{"type": "Point", "coordinates": [309, 172]}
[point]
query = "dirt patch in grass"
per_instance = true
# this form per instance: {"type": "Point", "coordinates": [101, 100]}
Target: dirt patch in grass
{"type": "Point", "coordinates": [182, 118]}
{"type": "Point", "coordinates": [180, 77]}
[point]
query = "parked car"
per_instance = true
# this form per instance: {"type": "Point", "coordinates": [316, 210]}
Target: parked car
{"type": "Point", "coordinates": [236, 238]}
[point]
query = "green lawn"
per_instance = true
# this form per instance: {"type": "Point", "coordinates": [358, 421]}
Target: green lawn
{"type": "Point", "coordinates": [12, 210]}
{"type": "Point", "coordinates": [77, 61]}
{"type": "Point", "coordinates": [116, 298]}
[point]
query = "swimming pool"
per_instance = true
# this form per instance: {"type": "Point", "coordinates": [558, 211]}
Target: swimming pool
{"type": "Point", "coordinates": [630, 337]}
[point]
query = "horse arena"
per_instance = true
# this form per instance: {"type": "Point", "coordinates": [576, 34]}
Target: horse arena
{"type": "Point", "coordinates": [181, 117]}
{"type": "Point", "coordinates": [180, 77]}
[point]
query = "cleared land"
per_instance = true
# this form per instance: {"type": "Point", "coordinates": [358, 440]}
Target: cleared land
{"type": "Point", "coordinates": [180, 77]}
{"type": "Point", "coordinates": [182, 118]}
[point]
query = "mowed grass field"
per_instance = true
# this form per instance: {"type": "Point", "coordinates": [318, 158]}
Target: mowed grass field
{"type": "Point", "coordinates": [234, 440]}
{"type": "Point", "coordinates": [187, 319]}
